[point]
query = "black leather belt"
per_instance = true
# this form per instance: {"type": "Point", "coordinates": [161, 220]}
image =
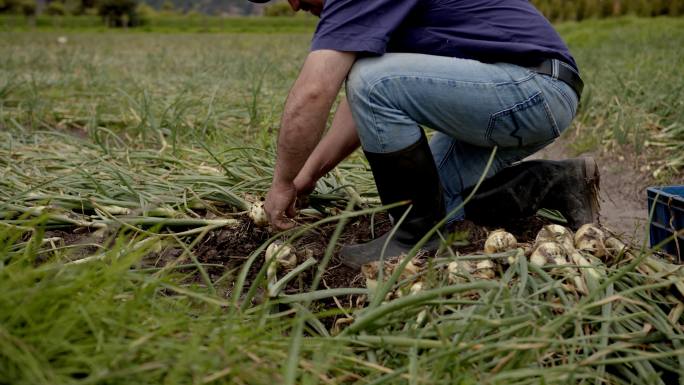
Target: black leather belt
{"type": "Point", "coordinates": [561, 71]}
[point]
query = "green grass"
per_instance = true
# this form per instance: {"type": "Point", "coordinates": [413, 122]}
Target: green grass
{"type": "Point", "coordinates": [113, 322]}
{"type": "Point", "coordinates": [144, 135]}
{"type": "Point", "coordinates": [182, 85]}
{"type": "Point", "coordinates": [634, 99]}
{"type": "Point", "coordinates": [165, 24]}
{"type": "Point", "coordinates": [116, 321]}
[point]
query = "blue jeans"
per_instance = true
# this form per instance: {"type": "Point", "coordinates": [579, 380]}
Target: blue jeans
{"type": "Point", "coordinates": [473, 106]}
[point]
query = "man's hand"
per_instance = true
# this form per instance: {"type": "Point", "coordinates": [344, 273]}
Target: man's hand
{"type": "Point", "coordinates": [280, 206]}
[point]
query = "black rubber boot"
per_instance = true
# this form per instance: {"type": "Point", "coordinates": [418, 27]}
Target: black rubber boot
{"type": "Point", "coordinates": [569, 186]}
{"type": "Point", "coordinates": [406, 175]}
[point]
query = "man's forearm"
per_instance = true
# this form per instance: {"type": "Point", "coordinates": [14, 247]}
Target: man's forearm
{"type": "Point", "coordinates": [307, 109]}
{"type": "Point", "coordinates": [301, 129]}
{"type": "Point", "coordinates": [340, 141]}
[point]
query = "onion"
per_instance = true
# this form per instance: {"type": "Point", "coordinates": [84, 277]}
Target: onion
{"type": "Point", "coordinates": [258, 214]}
{"type": "Point", "coordinates": [459, 270]}
{"type": "Point", "coordinates": [370, 273]}
{"type": "Point", "coordinates": [416, 287]}
{"type": "Point", "coordinates": [500, 241]}
{"type": "Point", "coordinates": [616, 247]}
{"type": "Point", "coordinates": [410, 269]}
{"type": "Point", "coordinates": [459, 267]}
{"type": "Point", "coordinates": [558, 234]}
{"type": "Point", "coordinates": [547, 253]}
{"type": "Point", "coordinates": [421, 319]}
{"type": "Point", "coordinates": [116, 210]}
{"type": "Point", "coordinates": [590, 238]}
{"type": "Point", "coordinates": [284, 255]}
{"type": "Point", "coordinates": [484, 270]}
{"type": "Point", "coordinates": [591, 276]}
{"type": "Point", "coordinates": [277, 255]}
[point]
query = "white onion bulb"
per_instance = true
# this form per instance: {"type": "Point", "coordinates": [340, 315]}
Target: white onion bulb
{"type": "Point", "coordinates": [592, 239]}
{"type": "Point", "coordinates": [258, 214]}
{"type": "Point", "coordinates": [500, 241]}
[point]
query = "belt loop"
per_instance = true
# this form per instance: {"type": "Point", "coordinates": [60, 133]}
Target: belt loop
{"type": "Point", "coordinates": [555, 70]}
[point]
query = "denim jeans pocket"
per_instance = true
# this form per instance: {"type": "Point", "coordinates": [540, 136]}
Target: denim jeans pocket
{"type": "Point", "coordinates": [527, 123]}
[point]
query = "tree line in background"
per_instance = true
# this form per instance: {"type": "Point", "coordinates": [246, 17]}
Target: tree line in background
{"type": "Point", "coordinates": [113, 12]}
{"type": "Point", "coordinates": [125, 13]}
{"type": "Point", "coordinates": [565, 10]}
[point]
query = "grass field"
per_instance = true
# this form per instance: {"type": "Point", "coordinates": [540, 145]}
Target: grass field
{"type": "Point", "coordinates": [128, 160]}
{"type": "Point", "coordinates": [165, 24]}
{"type": "Point", "coordinates": [635, 93]}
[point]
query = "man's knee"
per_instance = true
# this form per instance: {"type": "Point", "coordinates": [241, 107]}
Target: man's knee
{"type": "Point", "coordinates": [356, 83]}
{"type": "Point", "coordinates": [363, 79]}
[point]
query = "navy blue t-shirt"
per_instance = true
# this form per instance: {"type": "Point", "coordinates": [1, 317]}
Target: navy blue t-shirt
{"type": "Point", "coordinates": [511, 31]}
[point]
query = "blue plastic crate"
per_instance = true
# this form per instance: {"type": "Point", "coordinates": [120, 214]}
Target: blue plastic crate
{"type": "Point", "coordinates": [668, 218]}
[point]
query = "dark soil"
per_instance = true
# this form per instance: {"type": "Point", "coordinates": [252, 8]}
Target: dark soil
{"type": "Point", "coordinates": [231, 247]}
{"type": "Point", "coordinates": [225, 251]}
{"type": "Point", "coordinates": [80, 242]}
